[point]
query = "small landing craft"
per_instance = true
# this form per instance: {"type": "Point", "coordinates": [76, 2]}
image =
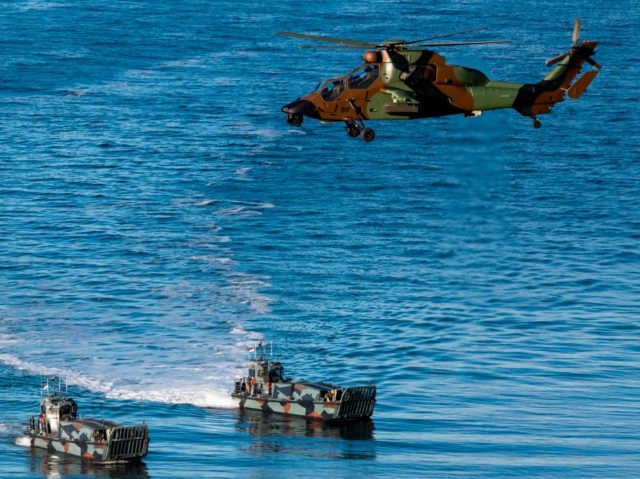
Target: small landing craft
{"type": "Point", "coordinates": [58, 429]}
{"type": "Point", "coordinates": [266, 389]}
{"type": "Point", "coordinates": [399, 80]}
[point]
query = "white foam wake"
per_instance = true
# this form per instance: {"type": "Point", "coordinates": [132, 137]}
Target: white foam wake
{"type": "Point", "coordinates": [10, 430]}
{"type": "Point", "coordinates": [179, 392]}
{"type": "Point", "coordinates": [23, 441]}
{"type": "Point", "coordinates": [71, 377]}
{"type": "Point", "coordinates": [200, 398]}
{"type": "Point", "coordinates": [4, 429]}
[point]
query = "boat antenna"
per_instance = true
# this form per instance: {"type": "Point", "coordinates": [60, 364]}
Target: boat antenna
{"type": "Point", "coordinates": [271, 349]}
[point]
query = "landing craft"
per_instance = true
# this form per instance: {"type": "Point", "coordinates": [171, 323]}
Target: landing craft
{"type": "Point", "coordinates": [59, 429]}
{"type": "Point", "coordinates": [399, 81]}
{"type": "Point", "coordinates": [266, 389]}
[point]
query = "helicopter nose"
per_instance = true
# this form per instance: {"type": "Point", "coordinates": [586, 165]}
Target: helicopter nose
{"type": "Point", "coordinates": [301, 107]}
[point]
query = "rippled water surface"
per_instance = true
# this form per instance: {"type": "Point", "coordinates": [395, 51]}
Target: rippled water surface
{"type": "Point", "coordinates": [158, 216]}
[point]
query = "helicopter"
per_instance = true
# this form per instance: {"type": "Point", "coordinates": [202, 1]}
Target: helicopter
{"type": "Point", "coordinates": [402, 80]}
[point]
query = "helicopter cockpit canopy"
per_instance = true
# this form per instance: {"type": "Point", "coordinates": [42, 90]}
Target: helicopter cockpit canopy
{"type": "Point", "coordinates": [364, 76]}
{"type": "Point", "coordinates": [361, 78]}
{"type": "Point", "coordinates": [331, 89]}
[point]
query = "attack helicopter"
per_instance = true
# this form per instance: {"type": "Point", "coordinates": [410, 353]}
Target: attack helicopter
{"type": "Point", "coordinates": [403, 80]}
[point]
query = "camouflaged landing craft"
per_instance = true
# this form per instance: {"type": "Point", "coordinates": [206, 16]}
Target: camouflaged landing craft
{"type": "Point", "coordinates": [400, 82]}
{"type": "Point", "coordinates": [267, 389]}
{"type": "Point", "coordinates": [58, 429]}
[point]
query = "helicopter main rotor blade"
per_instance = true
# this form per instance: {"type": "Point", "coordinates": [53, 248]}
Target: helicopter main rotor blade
{"type": "Point", "coordinates": [446, 35]}
{"type": "Point", "coordinates": [462, 43]}
{"type": "Point", "coordinates": [576, 31]}
{"type": "Point", "coordinates": [331, 47]}
{"type": "Point", "coordinates": [322, 38]}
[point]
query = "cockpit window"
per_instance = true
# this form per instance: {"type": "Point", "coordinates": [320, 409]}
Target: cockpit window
{"type": "Point", "coordinates": [332, 89]}
{"type": "Point", "coordinates": [364, 76]}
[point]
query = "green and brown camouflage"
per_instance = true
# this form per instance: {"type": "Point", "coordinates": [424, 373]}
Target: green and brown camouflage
{"type": "Point", "coordinates": [58, 429]}
{"type": "Point", "coordinates": [265, 388]}
{"type": "Point", "coordinates": [398, 82]}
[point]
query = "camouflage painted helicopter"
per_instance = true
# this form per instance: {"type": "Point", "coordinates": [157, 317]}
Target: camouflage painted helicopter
{"type": "Point", "coordinates": [398, 81]}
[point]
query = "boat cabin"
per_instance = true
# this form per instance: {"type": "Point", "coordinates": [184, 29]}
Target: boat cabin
{"type": "Point", "coordinates": [266, 378]}
{"type": "Point", "coordinates": [55, 408]}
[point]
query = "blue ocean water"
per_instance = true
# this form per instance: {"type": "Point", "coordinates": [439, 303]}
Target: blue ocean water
{"type": "Point", "coordinates": [158, 216]}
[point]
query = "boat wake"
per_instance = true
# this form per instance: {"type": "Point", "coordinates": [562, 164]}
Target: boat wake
{"type": "Point", "coordinates": [5, 429]}
{"type": "Point", "coordinates": [200, 385]}
{"type": "Point", "coordinates": [12, 430]}
{"type": "Point", "coordinates": [23, 441]}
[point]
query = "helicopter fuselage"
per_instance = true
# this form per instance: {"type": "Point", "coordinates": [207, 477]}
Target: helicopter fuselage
{"type": "Point", "coordinates": [403, 84]}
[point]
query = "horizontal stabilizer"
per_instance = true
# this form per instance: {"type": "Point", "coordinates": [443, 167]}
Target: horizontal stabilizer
{"type": "Point", "coordinates": [579, 87]}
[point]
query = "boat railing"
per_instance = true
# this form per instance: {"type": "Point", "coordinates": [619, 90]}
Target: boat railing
{"type": "Point", "coordinates": [36, 424]}
{"type": "Point", "coordinates": [261, 353]}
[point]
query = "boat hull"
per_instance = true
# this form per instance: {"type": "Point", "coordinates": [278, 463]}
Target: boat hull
{"type": "Point", "coordinates": [119, 445]}
{"type": "Point", "coordinates": [314, 409]}
{"type": "Point", "coordinates": [83, 449]}
{"type": "Point", "coordinates": [358, 403]}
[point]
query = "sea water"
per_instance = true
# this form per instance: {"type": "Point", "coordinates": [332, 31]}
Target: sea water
{"type": "Point", "coordinates": [158, 217]}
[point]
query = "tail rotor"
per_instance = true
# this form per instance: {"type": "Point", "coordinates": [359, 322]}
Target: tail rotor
{"type": "Point", "coordinates": [576, 31]}
{"type": "Point", "coordinates": [575, 37]}
{"type": "Point", "coordinates": [579, 52]}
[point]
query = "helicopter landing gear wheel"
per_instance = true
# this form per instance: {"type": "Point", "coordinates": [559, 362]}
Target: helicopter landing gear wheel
{"type": "Point", "coordinates": [368, 135]}
{"type": "Point", "coordinates": [536, 123]}
{"type": "Point", "coordinates": [295, 119]}
{"type": "Point", "coordinates": [357, 127]}
{"type": "Point", "coordinates": [352, 130]}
